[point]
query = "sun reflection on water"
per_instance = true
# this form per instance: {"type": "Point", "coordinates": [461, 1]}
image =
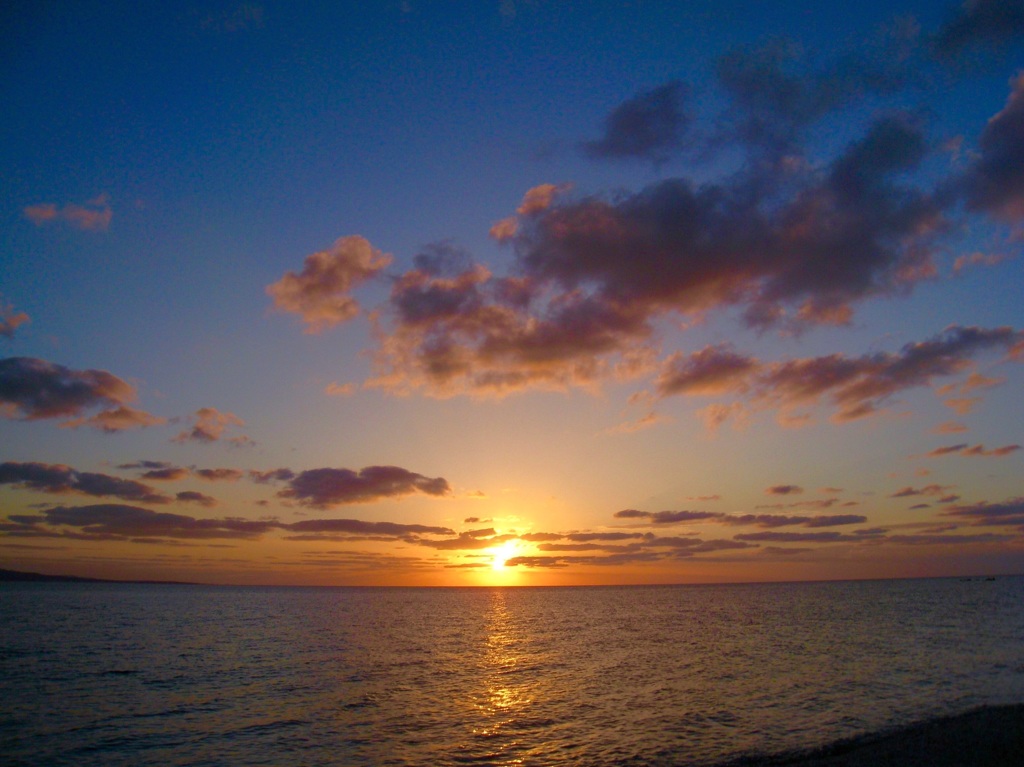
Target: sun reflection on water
{"type": "Point", "coordinates": [508, 691]}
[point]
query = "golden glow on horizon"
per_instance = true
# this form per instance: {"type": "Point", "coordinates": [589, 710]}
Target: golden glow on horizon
{"type": "Point", "coordinates": [503, 553]}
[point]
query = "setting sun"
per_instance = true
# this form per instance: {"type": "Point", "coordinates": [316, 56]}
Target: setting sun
{"type": "Point", "coordinates": [503, 553]}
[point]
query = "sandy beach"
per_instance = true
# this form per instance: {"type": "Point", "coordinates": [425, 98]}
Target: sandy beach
{"type": "Point", "coordinates": [984, 737]}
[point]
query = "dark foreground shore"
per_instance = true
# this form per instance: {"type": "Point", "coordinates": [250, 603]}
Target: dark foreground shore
{"type": "Point", "coordinates": [985, 737]}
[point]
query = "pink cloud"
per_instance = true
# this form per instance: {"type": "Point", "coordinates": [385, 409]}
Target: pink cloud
{"type": "Point", "coordinates": [335, 389]}
{"type": "Point", "coordinates": [977, 259]}
{"type": "Point", "coordinates": [10, 320]}
{"type": "Point", "coordinates": [94, 216]}
{"type": "Point", "coordinates": [320, 293]}
{"type": "Point", "coordinates": [209, 425]}
{"type": "Point", "coordinates": [949, 427]}
{"type": "Point", "coordinates": [536, 200]}
{"type": "Point", "coordinates": [962, 405]}
{"type": "Point", "coordinates": [630, 427]}
{"type": "Point", "coordinates": [117, 419]}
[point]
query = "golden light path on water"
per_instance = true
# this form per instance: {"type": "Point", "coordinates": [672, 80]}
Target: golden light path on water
{"type": "Point", "coordinates": [507, 697]}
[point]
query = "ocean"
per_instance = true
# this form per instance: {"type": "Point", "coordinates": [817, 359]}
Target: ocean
{"type": "Point", "coordinates": [133, 674]}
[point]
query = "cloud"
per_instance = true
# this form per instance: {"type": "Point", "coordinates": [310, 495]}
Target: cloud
{"type": "Point", "coordinates": [776, 92]}
{"type": "Point", "coordinates": [323, 488]}
{"type": "Point", "coordinates": [949, 427]}
{"type": "Point", "coordinates": [35, 389]}
{"type": "Point", "coordinates": [209, 425]}
{"type": "Point", "coordinates": [976, 450]}
{"type": "Point", "coordinates": [472, 333]}
{"type": "Point", "coordinates": [466, 542]}
{"type": "Point", "coordinates": [856, 386]}
{"type": "Point", "coordinates": [786, 237]}
{"type": "Point", "coordinates": [712, 370]}
{"type": "Point", "coordinates": [651, 549]}
{"type": "Point", "coordinates": [121, 521]}
{"type": "Point", "coordinates": [631, 427]}
{"type": "Point", "coordinates": [977, 259]}
{"type": "Point", "coordinates": [649, 126]}
{"type": "Point", "coordinates": [93, 216]}
{"type": "Point", "coordinates": [159, 471]}
{"type": "Point", "coordinates": [827, 537]}
{"type": "Point", "coordinates": [948, 540]}
{"type": "Point", "coordinates": [335, 389]}
{"type": "Point", "coordinates": [815, 245]}
{"type": "Point", "coordinates": [271, 475]}
{"type": "Point", "coordinates": [320, 293]}
{"type": "Point", "coordinates": [714, 416]}
{"type": "Point", "coordinates": [10, 320]}
{"type": "Point", "coordinates": [908, 492]}
{"type": "Point", "coordinates": [997, 452]}
{"type": "Point", "coordinates": [358, 527]}
{"type": "Point", "coordinates": [946, 450]}
{"type": "Point", "coordinates": [140, 525]}
{"type": "Point", "coordinates": [783, 489]}
{"type": "Point", "coordinates": [962, 405]}
{"type": "Point", "coordinates": [117, 419]}
{"type": "Point", "coordinates": [980, 23]}
{"type": "Point", "coordinates": [1009, 513]}
{"type": "Point", "coordinates": [157, 467]}
{"type": "Point", "coordinates": [219, 475]}
{"type": "Point", "coordinates": [973, 382]}
{"type": "Point", "coordinates": [594, 273]}
{"type": "Point", "coordinates": [781, 520]}
{"type": "Point", "coordinates": [667, 517]}
{"type": "Point", "coordinates": [996, 181]}
{"type": "Point", "coordinates": [58, 479]}
{"type": "Point", "coordinates": [191, 496]}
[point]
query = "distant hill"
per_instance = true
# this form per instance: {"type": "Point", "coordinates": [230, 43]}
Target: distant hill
{"type": "Point", "coordinates": [17, 575]}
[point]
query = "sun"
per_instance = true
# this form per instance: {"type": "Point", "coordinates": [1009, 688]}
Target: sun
{"type": "Point", "coordinates": [502, 554]}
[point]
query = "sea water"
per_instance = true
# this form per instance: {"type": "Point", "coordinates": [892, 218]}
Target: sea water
{"type": "Point", "coordinates": [112, 674]}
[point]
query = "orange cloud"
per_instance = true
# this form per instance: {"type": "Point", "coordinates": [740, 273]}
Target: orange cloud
{"type": "Point", "coordinates": [209, 425]}
{"type": "Point", "coordinates": [320, 292]}
{"type": "Point", "coordinates": [117, 419]}
{"type": "Point", "coordinates": [11, 320]}
{"type": "Point", "coordinates": [949, 427]}
{"type": "Point", "coordinates": [335, 389]}
{"type": "Point", "coordinates": [536, 200]}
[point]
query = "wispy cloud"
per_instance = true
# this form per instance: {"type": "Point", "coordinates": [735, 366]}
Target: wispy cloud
{"type": "Point", "coordinates": [973, 450]}
{"type": "Point", "coordinates": [209, 425]}
{"type": "Point", "coordinates": [94, 216]}
{"type": "Point", "coordinates": [856, 386]}
{"type": "Point", "coordinates": [11, 320]}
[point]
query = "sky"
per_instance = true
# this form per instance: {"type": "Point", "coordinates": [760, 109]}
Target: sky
{"type": "Point", "coordinates": [512, 293]}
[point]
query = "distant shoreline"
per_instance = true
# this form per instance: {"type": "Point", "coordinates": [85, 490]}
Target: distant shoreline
{"type": "Point", "coordinates": [18, 576]}
{"type": "Point", "coordinates": [989, 736]}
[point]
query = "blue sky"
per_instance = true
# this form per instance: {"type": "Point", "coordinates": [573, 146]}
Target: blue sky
{"type": "Point", "coordinates": [730, 259]}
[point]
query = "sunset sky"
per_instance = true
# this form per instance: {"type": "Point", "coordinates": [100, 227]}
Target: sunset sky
{"type": "Point", "coordinates": [521, 292]}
